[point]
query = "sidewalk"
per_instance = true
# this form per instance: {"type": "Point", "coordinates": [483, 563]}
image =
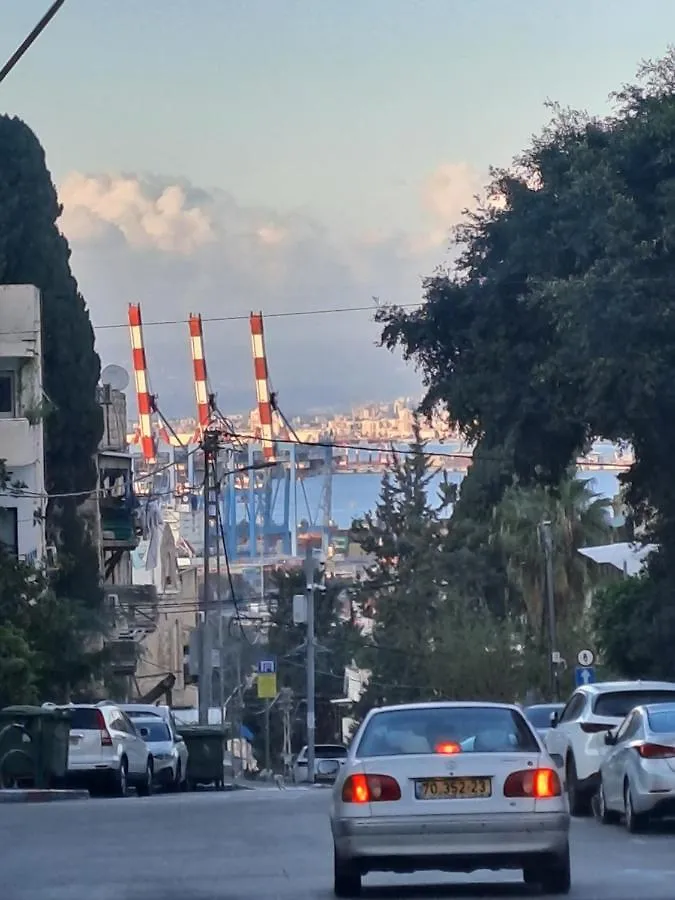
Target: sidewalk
{"type": "Point", "coordinates": [40, 796]}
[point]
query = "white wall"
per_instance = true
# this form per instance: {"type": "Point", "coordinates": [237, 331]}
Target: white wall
{"type": "Point", "coordinates": [21, 438]}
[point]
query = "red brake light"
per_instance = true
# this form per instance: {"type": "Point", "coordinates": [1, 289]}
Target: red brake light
{"type": "Point", "coordinates": [448, 747]}
{"type": "Point", "coordinates": [594, 727]}
{"type": "Point", "coordinates": [536, 783]}
{"type": "Point", "coordinates": [106, 740]}
{"type": "Point", "coordinates": [655, 751]}
{"type": "Point", "coordinates": [370, 789]}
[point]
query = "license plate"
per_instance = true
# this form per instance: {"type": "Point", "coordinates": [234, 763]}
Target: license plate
{"type": "Point", "coordinates": [453, 788]}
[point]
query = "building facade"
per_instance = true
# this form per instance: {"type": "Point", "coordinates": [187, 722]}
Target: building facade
{"type": "Point", "coordinates": [23, 406]}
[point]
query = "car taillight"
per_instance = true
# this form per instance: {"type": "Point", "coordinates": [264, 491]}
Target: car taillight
{"type": "Point", "coordinates": [448, 747]}
{"type": "Point", "coordinates": [535, 783]}
{"type": "Point", "coordinates": [594, 727]}
{"type": "Point", "coordinates": [370, 789]}
{"type": "Point", "coordinates": [655, 751]}
{"type": "Point", "coordinates": [106, 740]}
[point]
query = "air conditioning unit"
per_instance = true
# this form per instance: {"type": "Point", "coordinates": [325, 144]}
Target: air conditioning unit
{"type": "Point", "coordinates": [50, 556]}
{"type": "Point", "coordinates": [114, 601]}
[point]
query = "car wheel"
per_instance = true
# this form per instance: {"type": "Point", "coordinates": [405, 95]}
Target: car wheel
{"type": "Point", "coordinates": [346, 878]}
{"type": "Point", "coordinates": [552, 874]}
{"type": "Point", "coordinates": [580, 802]}
{"type": "Point", "coordinates": [144, 789]}
{"type": "Point", "coordinates": [121, 779]}
{"type": "Point", "coordinates": [634, 821]}
{"type": "Point", "coordinates": [606, 816]}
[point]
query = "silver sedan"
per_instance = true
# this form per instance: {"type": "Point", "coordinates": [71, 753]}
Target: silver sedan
{"type": "Point", "coordinates": [637, 774]}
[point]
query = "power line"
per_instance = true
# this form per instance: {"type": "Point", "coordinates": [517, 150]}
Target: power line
{"type": "Point", "coordinates": [244, 317]}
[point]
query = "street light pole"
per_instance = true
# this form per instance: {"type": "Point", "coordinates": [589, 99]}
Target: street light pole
{"type": "Point", "coordinates": [30, 40]}
{"type": "Point", "coordinates": [311, 689]}
{"type": "Point", "coordinates": [546, 538]}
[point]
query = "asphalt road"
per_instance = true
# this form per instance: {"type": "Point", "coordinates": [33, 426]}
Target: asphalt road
{"type": "Point", "coordinates": [268, 845]}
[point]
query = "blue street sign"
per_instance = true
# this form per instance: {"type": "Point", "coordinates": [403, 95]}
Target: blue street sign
{"type": "Point", "coordinates": [267, 666]}
{"type": "Point", "coordinates": [584, 675]}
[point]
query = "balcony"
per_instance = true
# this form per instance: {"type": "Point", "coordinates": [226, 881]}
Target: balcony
{"type": "Point", "coordinates": [124, 655]}
{"type": "Point", "coordinates": [118, 524]}
{"type": "Point", "coordinates": [18, 443]}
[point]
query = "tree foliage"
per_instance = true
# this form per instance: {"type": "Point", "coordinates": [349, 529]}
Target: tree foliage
{"type": "Point", "coordinates": [33, 251]}
{"type": "Point", "coordinates": [558, 322]}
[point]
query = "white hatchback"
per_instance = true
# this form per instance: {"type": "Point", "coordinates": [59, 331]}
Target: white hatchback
{"type": "Point", "coordinates": [449, 786]}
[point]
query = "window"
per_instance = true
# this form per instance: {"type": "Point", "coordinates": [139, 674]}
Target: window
{"type": "Point", "coordinates": [540, 716]}
{"type": "Point", "coordinates": [476, 729]}
{"type": "Point", "coordinates": [617, 705]}
{"type": "Point", "coordinates": [662, 721]}
{"type": "Point", "coordinates": [7, 395]}
{"type": "Point", "coordinates": [85, 719]}
{"type": "Point", "coordinates": [574, 708]}
{"type": "Point", "coordinates": [153, 731]}
{"type": "Point", "coordinates": [330, 751]}
{"type": "Point", "coordinates": [9, 529]}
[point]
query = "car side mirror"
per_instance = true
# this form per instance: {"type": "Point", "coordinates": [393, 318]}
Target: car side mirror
{"type": "Point", "coordinates": [328, 767]}
{"type": "Point", "coordinates": [610, 738]}
{"type": "Point", "coordinates": [179, 738]}
{"type": "Point", "coordinates": [554, 719]}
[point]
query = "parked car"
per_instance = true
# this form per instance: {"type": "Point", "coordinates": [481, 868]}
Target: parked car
{"type": "Point", "coordinates": [137, 711]}
{"type": "Point", "coordinates": [106, 750]}
{"type": "Point", "coordinates": [576, 740]}
{"type": "Point", "coordinates": [321, 752]}
{"type": "Point", "coordinates": [637, 774]}
{"type": "Point", "coordinates": [449, 786]}
{"type": "Point", "coordinates": [539, 716]}
{"type": "Point", "coordinates": [169, 752]}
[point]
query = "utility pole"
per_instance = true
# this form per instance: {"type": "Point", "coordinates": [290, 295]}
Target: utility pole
{"type": "Point", "coordinates": [268, 749]}
{"type": "Point", "coordinates": [311, 690]}
{"type": "Point", "coordinates": [210, 449]}
{"type": "Point", "coordinates": [546, 538]}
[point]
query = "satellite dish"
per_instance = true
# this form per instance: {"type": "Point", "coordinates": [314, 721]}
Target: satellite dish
{"type": "Point", "coordinates": [116, 377]}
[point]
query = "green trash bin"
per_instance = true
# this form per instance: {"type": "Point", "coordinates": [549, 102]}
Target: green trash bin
{"type": "Point", "coordinates": [206, 746]}
{"type": "Point", "coordinates": [33, 746]}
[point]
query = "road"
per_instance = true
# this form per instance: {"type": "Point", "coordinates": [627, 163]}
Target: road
{"type": "Point", "coordinates": [268, 845]}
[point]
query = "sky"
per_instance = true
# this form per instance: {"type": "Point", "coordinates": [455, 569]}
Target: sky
{"type": "Point", "coordinates": [223, 156]}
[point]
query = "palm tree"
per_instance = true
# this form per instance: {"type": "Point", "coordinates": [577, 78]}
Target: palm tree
{"type": "Point", "coordinates": [579, 517]}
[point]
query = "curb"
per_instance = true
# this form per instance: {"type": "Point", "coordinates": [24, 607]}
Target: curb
{"type": "Point", "coordinates": [40, 796]}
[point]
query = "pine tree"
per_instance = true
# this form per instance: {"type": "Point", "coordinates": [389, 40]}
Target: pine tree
{"type": "Point", "coordinates": [33, 251]}
{"type": "Point", "coordinates": [402, 591]}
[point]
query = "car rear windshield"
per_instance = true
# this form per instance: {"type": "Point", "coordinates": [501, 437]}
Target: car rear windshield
{"type": "Point", "coordinates": [85, 719]}
{"type": "Point", "coordinates": [540, 716]}
{"type": "Point", "coordinates": [617, 705]}
{"type": "Point", "coordinates": [156, 731]}
{"type": "Point", "coordinates": [662, 721]}
{"type": "Point", "coordinates": [142, 714]}
{"type": "Point", "coordinates": [329, 751]}
{"type": "Point", "coordinates": [480, 729]}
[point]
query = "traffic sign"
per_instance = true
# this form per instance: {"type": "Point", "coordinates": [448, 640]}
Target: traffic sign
{"type": "Point", "coordinates": [267, 687]}
{"type": "Point", "coordinates": [267, 666]}
{"type": "Point", "coordinates": [585, 658]}
{"type": "Point", "coordinates": [584, 675]}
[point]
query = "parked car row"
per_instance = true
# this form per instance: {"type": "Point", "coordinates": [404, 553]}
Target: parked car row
{"type": "Point", "coordinates": [113, 747]}
{"type": "Point", "coordinates": [614, 742]}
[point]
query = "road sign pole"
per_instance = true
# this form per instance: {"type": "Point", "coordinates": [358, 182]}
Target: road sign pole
{"type": "Point", "coordinates": [311, 713]}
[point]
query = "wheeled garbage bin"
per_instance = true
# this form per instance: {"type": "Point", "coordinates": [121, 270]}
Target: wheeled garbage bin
{"type": "Point", "coordinates": [33, 746]}
{"type": "Point", "coordinates": [207, 746]}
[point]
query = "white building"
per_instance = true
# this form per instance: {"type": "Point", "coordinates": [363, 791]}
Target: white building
{"type": "Point", "coordinates": [22, 410]}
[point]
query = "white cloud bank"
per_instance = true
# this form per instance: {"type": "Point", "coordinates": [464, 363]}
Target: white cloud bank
{"type": "Point", "coordinates": [176, 248]}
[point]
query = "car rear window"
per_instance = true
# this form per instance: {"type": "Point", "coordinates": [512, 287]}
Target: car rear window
{"type": "Point", "coordinates": [142, 714]}
{"type": "Point", "coordinates": [480, 729]}
{"type": "Point", "coordinates": [618, 704]}
{"type": "Point", "coordinates": [85, 719]}
{"type": "Point", "coordinates": [330, 751]}
{"type": "Point", "coordinates": [662, 721]}
{"type": "Point", "coordinates": [540, 716]}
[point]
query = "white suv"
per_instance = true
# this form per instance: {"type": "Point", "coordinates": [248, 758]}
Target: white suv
{"type": "Point", "coordinates": [106, 750]}
{"type": "Point", "coordinates": [576, 740]}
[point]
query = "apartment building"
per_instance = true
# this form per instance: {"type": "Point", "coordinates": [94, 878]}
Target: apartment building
{"type": "Point", "coordinates": [22, 409]}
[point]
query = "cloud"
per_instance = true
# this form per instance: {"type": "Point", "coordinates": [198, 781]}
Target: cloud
{"type": "Point", "coordinates": [177, 248]}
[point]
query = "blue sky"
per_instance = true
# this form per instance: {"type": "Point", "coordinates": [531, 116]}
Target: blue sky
{"type": "Point", "coordinates": [338, 110]}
